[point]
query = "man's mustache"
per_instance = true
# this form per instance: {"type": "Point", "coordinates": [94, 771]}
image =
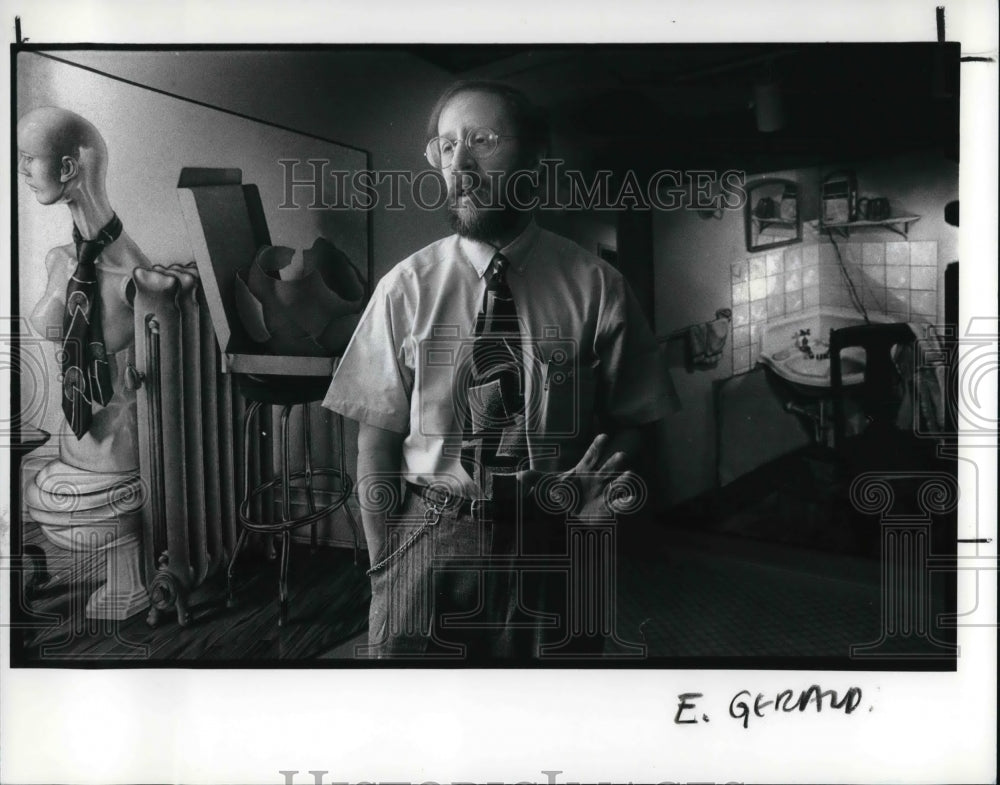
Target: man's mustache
{"type": "Point", "coordinates": [465, 182]}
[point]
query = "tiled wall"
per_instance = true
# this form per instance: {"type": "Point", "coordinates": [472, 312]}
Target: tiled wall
{"type": "Point", "coordinates": [897, 278]}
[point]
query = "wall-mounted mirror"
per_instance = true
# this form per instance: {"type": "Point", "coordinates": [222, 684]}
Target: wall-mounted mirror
{"type": "Point", "coordinates": [771, 214]}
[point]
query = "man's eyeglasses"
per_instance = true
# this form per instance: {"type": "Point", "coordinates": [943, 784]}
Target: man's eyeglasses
{"type": "Point", "coordinates": [481, 143]}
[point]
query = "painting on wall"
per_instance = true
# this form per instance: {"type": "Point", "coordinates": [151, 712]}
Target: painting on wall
{"type": "Point", "coordinates": [238, 231]}
{"type": "Point", "coordinates": [165, 249]}
{"type": "Point", "coordinates": [219, 247]}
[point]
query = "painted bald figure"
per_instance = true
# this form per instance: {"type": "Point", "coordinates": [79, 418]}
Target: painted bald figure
{"type": "Point", "coordinates": [63, 160]}
{"type": "Point", "coordinates": [86, 309]}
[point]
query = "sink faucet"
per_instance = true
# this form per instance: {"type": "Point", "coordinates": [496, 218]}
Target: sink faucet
{"type": "Point", "coordinates": [802, 342]}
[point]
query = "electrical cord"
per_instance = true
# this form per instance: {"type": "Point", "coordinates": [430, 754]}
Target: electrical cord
{"type": "Point", "coordinates": [850, 283]}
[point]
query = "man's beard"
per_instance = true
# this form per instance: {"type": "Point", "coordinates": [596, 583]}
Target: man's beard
{"type": "Point", "coordinates": [483, 224]}
{"type": "Point", "coordinates": [488, 217]}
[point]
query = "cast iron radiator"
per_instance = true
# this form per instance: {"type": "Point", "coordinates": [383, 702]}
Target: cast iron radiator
{"type": "Point", "coordinates": [187, 440]}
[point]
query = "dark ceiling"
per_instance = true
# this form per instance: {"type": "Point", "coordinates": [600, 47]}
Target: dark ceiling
{"type": "Point", "coordinates": [693, 103]}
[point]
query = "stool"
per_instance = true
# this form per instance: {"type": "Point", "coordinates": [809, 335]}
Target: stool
{"type": "Point", "coordinates": [286, 392]}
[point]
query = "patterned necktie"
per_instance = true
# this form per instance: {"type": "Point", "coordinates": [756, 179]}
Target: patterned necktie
{"type": "Point", "coordinates": [86, 373]}
{"type": "Point", "coordinates": [493, 433]}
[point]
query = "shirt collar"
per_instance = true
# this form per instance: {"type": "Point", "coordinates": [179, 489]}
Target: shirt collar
{"type": "Point", "coordinates": [517, 251]}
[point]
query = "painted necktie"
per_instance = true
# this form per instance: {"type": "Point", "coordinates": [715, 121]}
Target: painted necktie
{"type": "Point", "coordinates": [493, 434]}
{"type": "Point", "coordinates": [86, 373]}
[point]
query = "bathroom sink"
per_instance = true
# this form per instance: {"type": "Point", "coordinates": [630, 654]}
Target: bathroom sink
{"type": "Point", "coordinates": [780, 353]}
{"type": "Point", "coordinates": [820, 369]}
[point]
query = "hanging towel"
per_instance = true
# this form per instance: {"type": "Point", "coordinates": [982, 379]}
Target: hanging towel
{"type": "Point", "coordinates": [706, 341]}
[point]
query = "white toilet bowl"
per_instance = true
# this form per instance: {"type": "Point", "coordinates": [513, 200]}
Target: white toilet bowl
{"type": "Point", "coordinates": [78, 515]}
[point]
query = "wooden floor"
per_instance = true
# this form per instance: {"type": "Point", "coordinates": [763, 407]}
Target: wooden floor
{"type": "Point", "coordinates": [689, 596]}
{"type": "Point", "coordinates": [329, 597]}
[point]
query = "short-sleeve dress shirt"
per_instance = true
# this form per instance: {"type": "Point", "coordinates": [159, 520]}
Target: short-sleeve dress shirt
{"type": "Point", "coordinates": [591, 361]}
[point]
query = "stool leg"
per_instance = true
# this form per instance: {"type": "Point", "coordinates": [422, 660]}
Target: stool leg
{"type": "Point", "coordinates": [307, 473]}
{"type": "Point", "coordinates": [248, 421]}
{"type": "Point", "coordinates": [343, 483]}
{"type": "Point", "coordinates": [230, 594]}
{"type": "Point", "coordinates": [286, 537]}
{"type": "Point", "coordinates": [286, 484]}
{"type": "Point", "coordinates": [265, 467]}
{"type": "Point", "coordinates": [286, 515]}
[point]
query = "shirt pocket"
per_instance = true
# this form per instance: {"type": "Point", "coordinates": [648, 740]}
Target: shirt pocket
{"type": "Point", "coordinates": [568, 398]}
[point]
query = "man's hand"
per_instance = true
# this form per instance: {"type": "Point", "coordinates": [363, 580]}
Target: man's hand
{"type": "Point", "coordinates": [593, 490]}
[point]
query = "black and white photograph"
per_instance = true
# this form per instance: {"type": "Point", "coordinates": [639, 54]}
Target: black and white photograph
{"type": "Point", "coordinates": [366, 392]}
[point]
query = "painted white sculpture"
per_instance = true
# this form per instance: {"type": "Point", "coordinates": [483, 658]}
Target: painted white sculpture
{"type": "Point", "coordinates": [89, 497]}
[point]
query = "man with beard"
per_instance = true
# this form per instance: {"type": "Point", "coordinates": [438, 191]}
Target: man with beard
{"type": "Point", "coordinates": [500, 377]}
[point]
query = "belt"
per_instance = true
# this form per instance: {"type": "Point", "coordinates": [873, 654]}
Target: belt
{"type": "Point", "coordinates": [443, 499]}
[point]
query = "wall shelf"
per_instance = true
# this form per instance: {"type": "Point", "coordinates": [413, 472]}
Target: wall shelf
{"type": "Point", "coordinates": [893, 224]}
